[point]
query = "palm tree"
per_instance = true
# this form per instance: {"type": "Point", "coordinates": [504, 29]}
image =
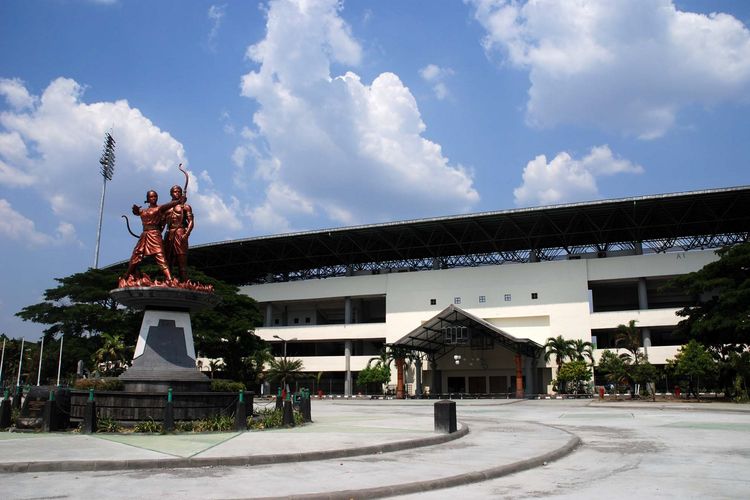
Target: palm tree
{"type": "Point", "coordinates": [400, 357]}
{"type": "Point", "coordinates": [111, 354]}
{"type": "Point", "coordinates": [629, 338]}
{"type": "Point", "coordinates": [560, 349]}
{"type": "Point", "coordinates": [284, 370]}
{"type": "Point", "coordinates": [582, 350]}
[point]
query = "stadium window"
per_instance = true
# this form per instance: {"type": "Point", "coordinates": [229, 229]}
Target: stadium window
{"type": "Point", "coordinates": [456, 300]}
{"type": "Point", "coordinates": [296, 321]}
{"type": "Point", "coordinates": [307, 319]}
{"type": "Point", "coordinates": [433, 302]}
{"type": "Point", "coordinates": [482, 299]}
{"type": "Point", "coordinates": [507, 297]}
{"type": "Point", "coordinates": [534, 295]}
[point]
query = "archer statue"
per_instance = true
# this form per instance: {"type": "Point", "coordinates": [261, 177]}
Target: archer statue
{"type": "Point", "coordinates": [179, 224]}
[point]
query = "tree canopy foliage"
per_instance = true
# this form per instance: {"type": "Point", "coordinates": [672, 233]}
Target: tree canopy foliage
{"type": "Point", "coordinates": [81, 307]}
{"type": "Point", "coordinates": [720, 313]}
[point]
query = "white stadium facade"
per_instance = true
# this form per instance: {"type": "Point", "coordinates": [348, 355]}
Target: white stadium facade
{"type": "Point", "coordinates": [477, 295]}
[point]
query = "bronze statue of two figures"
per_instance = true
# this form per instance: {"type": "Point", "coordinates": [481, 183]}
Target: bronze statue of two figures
{"type": "Point", "coordinates": [170, 251]}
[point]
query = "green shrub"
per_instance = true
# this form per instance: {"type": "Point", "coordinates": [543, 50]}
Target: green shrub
{"type": "Point", "coordinates": [272, 419]}
{"type": "Point", "coordinates": [222, 385]}
{"type": "Point", "coordinates": [149, 425]}
{"type": "Point", "coordinates": [107, 424]}
{"type": "Point", "coordinates": [215, 423]}
{"type": "Point", "coordinates": [184, 426]}
{"type": "Point", "coordinates": [99, 384]}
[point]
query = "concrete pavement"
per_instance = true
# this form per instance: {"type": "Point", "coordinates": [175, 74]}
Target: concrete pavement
{"type": "Point", "coordinates": [384, 448]}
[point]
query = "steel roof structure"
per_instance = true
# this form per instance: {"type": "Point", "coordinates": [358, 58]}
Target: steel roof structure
{"type": "Point", "coordinates": [430, 336]}
{"type": "Point", "coordinates": [659, 223]}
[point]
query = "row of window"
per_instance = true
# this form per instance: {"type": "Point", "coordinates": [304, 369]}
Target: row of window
{"type": "Point", "coordinates": [483, 299]}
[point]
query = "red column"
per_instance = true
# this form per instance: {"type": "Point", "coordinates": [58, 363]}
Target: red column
{"type": "Point", "coordinates": [519, 376]}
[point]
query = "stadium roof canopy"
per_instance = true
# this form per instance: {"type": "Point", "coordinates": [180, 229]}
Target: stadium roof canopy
{"type": "Point", "coordinates": [659, 223]}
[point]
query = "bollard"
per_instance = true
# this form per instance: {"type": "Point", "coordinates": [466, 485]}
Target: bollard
{"type": "Point", "coordinates": [89, 415]}
{"type": "Point", "coordinates": [279, 400]}
{"type": "Point", "coordinates": [445, 417]}
{"type": "Point", "coordinates": [17, 397]}
{"type": "Point", "coordinates": [288, 419]}
{"type": "Point", "coordinates": [240, 413]}
{"type": "Point", "coordinates": [601, 392]}
{"type": "Point", "coordinates": [49, 414]}
{"type": "Point", "coordinates": [5, 412]}
{"type": "Point", "coordinates": [168, 422]}
{"type": "Point", "coordinates": [307, 407]}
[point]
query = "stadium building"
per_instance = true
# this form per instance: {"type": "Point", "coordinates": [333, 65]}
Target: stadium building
{"type": "Point", "coordinates": [476, 296]}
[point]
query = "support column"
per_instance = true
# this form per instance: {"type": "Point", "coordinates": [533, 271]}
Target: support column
{"type": "Point", "coordinates": [638, 245]}
{"type": "Point", "coordinates": [519, 376]}
{"type": "Point", "coordinates": [437, 378]}
{"type": "Point", "coordinates": [348, 349]}
{"type": "Point", "coordinates": [348, 379]}
{"type": "Point", "coordinates": [418, 377]}
{"type": "Point", "coordinates": [643, 305]}
{"type": "Point", "coordinates": [528, 369]}
{"type": "Point", "coordinates": [269, 314]}
{"type": "Point", "coordinates": [347, 310]}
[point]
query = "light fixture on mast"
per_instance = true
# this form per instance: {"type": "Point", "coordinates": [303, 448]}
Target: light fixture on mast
{"type": "Point", "coordinates": [107, 162]}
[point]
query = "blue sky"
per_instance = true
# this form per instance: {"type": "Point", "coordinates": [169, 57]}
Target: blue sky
{"type": "Point", "coordinates": [297, 115]}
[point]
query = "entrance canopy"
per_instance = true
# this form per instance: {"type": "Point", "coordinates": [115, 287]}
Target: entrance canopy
{"type": "Point", "coordinates": [453, 327]}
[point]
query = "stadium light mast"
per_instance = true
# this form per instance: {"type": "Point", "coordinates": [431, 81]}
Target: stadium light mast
{"type": "Point", "coordinates": [107, 169]}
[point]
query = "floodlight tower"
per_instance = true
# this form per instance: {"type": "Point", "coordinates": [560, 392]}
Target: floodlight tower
{"type": "Point", "coordinates": [107, 169]}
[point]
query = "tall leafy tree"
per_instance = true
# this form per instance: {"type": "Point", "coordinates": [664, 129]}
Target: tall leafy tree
{"type": "Point", "coordinates": [696, 363]}
{"type": "Point", "coordinates": [80, 306]}
{"type": "Point", "coordinates": [284, 370]}
{"type": "Point", "coordinates": [560, 348]}
{"type": "Point", "coordinates": [582, 350]}
{"type": "Point", "coordinates": [719, 316]}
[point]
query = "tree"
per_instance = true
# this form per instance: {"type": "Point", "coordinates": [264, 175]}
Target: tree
{"type": "Point", "coordinates": [613, 367]}
{"type": "Point", "coordinates": [695, 362]}
{"type": "Point", "coordinates": [719, 315]}
{"type": "Point", "coordinates": [560, 349]}
{"type": "Point", "coordinates": [376, 375]}
{"type": "Point", "coordinates": [575, 376]}
{"type": "Point", "coordinates": [111, 356]}
{"type": "Point", "coordinates": [80, 306]}
{"type": "Point", "coordinates": [628, 337]}
{"type": "Point", "coordinates": [284, 370]}
{"type": "Point", "coordinates": [581, 350]}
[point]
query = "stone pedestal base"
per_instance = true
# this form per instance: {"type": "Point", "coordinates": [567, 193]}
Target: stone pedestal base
{"type": "Point", "coordinates": [165, 353]}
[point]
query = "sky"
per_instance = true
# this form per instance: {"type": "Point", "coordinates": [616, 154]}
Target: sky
{"type": "Point", "coordinates": [295, 115]}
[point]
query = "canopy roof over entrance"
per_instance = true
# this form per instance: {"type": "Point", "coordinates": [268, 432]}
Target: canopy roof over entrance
{"type": "Point", "coordinates": [453, 327]}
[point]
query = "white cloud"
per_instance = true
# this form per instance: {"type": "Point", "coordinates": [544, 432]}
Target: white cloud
{"type": "Point", "coordinates": [435, 75]}
{"type": "Point", "coordinates": [334, 145]}
{"type": "Point", "coordinates": [16, 227]}
{"type": "Point", "coordinates": [216, 15]}
{"type": "Point", "coordinates": [52, 149]}
{"type": "Point", "coordinates": [565, 179]}
{"type": "Point", "coordinates": [15, 93]}
{"type": "Point", "coordinates": [627, 66]}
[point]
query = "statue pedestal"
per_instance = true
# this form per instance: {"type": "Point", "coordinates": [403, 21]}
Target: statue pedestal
{"type": "Point", "coordinates": [165, 353]}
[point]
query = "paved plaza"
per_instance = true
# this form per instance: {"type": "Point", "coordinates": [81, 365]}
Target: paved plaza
{"type": "Point", "coordinates": [367, 449]}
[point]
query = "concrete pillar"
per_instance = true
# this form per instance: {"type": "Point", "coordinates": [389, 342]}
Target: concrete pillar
{"type": "Point", "coordinates": [533, 257]}
{"type": "Point", "coordinates": [348, 368]}
{"type": "Point", "coordinates": [519, 376]}
{"type": "Point", "coordinates": [435, 263]}
{"type": "Point", "coordinates": [437, 378]}
{"type": "Point", "coordinates": [347, 310]}
{"type": "Point", "coordinates": [642, 294]}
{"type": "Point", "coordinates": [418, 377]}
{"type": "Point", "coordinates": [638, 247]}
{"type": "Point", "coordinates": [528, 369]}
{"type": "Point", "coordinates": [269, 314]}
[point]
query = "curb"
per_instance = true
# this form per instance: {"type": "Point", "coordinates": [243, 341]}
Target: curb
{"type": "Point", "coordinates": [663, 407]}
{"type": "Point", "coordinates": [178, 463]}
{"type": "Point", "coordinates": [446, 482]}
